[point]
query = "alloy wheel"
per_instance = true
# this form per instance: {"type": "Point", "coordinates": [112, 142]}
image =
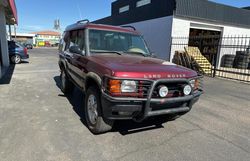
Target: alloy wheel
{"type": "Point", "coordinates": [16, 59]}
{"type": "Point", "coordinates": [92, 109]}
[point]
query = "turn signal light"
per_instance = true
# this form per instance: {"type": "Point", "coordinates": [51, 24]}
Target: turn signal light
{"type": "Point", "coordinates": [196, 84]}
{"type": "Point", "coordinates": [115, 86]}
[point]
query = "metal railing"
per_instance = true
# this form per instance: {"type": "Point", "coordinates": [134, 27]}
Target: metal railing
{"type": "Point", "coordinates": [229, 56]}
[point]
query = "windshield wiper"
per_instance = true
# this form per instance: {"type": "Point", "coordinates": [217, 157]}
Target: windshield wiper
{"type": "Point", "coordinates": [138, 53]}
{"type": "Point", "coordinates": [115, 52]}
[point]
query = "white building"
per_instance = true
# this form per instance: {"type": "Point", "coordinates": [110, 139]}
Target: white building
{"type": "Point", "coordinates": [161, 20]}
{"type": "Point", "coordinates": [8, 16]}
{"type": "Point", "coordinates": [24, 38]}
{"type": "Point", "coordinates": [44, 37]}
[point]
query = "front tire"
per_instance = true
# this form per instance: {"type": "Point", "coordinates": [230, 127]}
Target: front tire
{"type": "Point", "coordinates": [95, 122]}
{"type": "Point", "coordinates": [66, 85]}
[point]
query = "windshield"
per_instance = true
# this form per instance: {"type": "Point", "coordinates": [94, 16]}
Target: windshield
{"type": "Point", "coordinates": [105, 41]}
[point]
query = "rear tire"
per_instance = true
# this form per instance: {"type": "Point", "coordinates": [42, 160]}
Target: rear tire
{"type": "Point", "coordinates": [15, 59]}
{"type": "Point", "coordinates": [93, 114]}
{"type": "Point", "coordinates": [66, 85]}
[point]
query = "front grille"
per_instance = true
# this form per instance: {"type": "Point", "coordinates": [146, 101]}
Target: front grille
{"type": "Point", "coordinates": [144, 87]}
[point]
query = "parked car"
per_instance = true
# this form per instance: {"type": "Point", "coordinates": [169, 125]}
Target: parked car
{"type": "Point", "coordinates": [47, 44]}
{"type": "Point", "coordinates": [120, 78]}
{"type": "Point", "coordinates": [55, 45]}
{"type": "Point", "coordinates": [28, 46]}
{"type": "Point", "coordinates": [17, 52]}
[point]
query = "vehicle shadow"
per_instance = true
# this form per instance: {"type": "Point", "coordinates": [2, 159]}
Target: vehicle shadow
{"type": "Point", "coordinates": [8, 75]}
{"type": "Point", "coordinates": [75, 99]}
{"type": "Point", "coordinates": [25, 62]}
{"type": "Point", "coordinates": [125, 127]}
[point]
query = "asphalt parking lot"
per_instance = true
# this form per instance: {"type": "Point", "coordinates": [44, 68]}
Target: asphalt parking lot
{"type": "Point", "coordinates": [38, 123]}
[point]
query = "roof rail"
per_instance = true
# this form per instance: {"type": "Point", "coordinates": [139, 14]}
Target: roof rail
{"type": "Point", "coordinates": [127, 26]}
{"type": "Point", "coordinates": [82, 21]}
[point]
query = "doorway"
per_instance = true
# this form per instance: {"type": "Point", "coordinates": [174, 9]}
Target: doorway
{"type": "Point", "coordinates": [207, 41]}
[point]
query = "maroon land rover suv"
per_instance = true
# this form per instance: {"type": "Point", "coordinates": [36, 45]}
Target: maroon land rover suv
{"type": "Point", "coordinates": [120, 78]}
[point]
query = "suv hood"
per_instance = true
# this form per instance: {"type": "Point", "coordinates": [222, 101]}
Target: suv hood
{"type": "Point", "coordinates": [130, 66]}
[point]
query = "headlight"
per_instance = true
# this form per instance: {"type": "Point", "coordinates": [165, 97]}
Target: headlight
{"type": "Point", "coordinates": [128, 86]}
{"type": "Point", "coordinates": [187, 90]}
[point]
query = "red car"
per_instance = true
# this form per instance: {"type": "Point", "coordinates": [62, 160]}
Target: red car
{"type": "Point", "coordinates": [47, 44]}
{"type": "Point", "coordinates": [120, 78]}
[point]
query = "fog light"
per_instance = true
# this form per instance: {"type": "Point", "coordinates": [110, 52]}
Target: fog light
{"type": "Point", "coordinates": [187, 90]}
{"type": "Point", "coordinates": [163, 91]}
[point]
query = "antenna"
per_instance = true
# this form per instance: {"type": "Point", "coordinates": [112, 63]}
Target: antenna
{"type": "Point", "coordinates": [79, 10]}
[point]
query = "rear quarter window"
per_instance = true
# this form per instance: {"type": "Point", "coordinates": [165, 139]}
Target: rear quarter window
{"type": "Point", "coordinates": [19, 45]}
{"type": "Point", "coordinates": [14, 45]}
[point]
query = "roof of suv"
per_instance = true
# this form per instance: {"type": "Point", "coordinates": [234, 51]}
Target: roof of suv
{"type": "Point", "coordinates": [78, 26]}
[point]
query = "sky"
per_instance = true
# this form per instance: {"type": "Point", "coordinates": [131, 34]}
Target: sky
{"type": "Point", "coordinates": [37, 15]}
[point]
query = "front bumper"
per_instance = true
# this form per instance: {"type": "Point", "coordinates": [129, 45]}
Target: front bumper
{"type": "Point", "coordinates": [141, 108]}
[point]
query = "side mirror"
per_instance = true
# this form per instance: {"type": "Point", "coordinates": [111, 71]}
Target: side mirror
{"type": "Point", "coordinates": [75, 49]}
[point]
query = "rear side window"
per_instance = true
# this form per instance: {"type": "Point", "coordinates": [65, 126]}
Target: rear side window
{"type": "Point", "coordinates": [14, 45]}
{"type": "Point", "coordinates": [19, 45]}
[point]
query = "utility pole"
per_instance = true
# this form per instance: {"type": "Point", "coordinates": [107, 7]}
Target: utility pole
{"type": "Point", "coordinates": [57, 24]}
{"type": "Point", "coordinates": [57, 27]}
{"type": "Point", "coordinates": [15, 31]}
{"type": "Point", "coordinates": [10, 32]}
